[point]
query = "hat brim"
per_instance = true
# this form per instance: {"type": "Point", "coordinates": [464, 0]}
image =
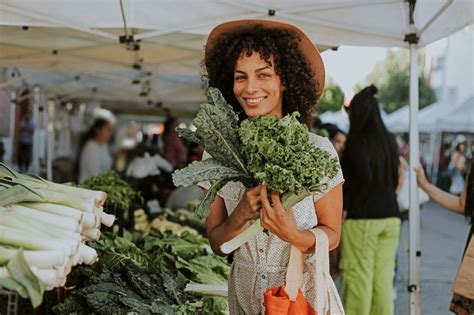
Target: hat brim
{"type": "Point", "coordinates": [307, 48]}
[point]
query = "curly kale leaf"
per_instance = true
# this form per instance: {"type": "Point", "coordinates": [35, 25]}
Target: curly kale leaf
{"type": "Point", "coordinates": [278, 152]}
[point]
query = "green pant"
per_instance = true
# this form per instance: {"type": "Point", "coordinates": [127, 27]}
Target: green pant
{"type": "Point", "coordinates": [368, 265]}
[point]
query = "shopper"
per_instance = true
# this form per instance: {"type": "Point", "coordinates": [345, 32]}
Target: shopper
{"type": "Point", "coordinates": [95, 157]}
{"type": "Point", "coordinates": [271, 68]}
{"type": "Point", "coordinates": [174, 150]}
{"type": "Point", "coordinates": [27, 130]}
{"type": "Point", "coordinates": [370, 233]}
{"type": "Point", "coordinates": [463, 204]}
{"type": "Point", "coordinates": [457, 165]}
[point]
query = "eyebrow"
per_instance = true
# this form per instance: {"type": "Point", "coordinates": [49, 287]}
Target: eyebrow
{"type": "Point", "coordinates": [259, 69]}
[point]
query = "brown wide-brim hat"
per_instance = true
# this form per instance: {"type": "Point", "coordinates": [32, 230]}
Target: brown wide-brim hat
{"type": "Point", "coordinates": [307, 48]}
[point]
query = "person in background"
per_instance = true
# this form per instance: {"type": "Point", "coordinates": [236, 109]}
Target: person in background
{"type": "Point", "coordinates": [463, 204]}
{"type": "Point", "coordinates": [337, 137]}
{"type": "Point", "coordinates": [95, 157]}
{"type": "Point", "coordinates": [174, 150]}
{"type": "Point", "coordinates": [457, 165]}
{"type": "Point", "coordinates": [27, 129]}
{"type": "Point", "coordinates": [370, 234]}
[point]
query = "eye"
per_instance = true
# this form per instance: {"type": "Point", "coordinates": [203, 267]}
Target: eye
{"type": "Point", "coordinates": [239, 78]}
{"type": "Point", "coordinates": [264, 75]}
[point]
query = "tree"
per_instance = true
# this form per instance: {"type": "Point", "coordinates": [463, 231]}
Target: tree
{"type": "Point", "coordinates": [392, 78]}
{"type": "Point", "coordinates": [332, 98]}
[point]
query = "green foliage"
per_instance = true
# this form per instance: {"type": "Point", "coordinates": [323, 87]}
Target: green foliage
{"type": "Point", "coordinates": [278, 152]}
{"type": "Point", "coordinates": [332, 98]}
{"type": "Point", "coordinates": [119, 193]}
{"type": "Point", "coordinates": [392, 78]}
{"type": "Point", "coordinates": [147, 276]}
{"type": "Point", "coordinates": [261, 149]}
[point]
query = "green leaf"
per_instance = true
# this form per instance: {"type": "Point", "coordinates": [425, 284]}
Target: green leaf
{"type": "Point", "coordinates": [204, 207]}
{"type": "Point", "coordinates": [217, 126]}
{"type": "Point", "coordinates": [206, 170]}
{"type": "Point", "coordinates": [189, 135]}
{"type": "Point", "coordinates": [23, 280]}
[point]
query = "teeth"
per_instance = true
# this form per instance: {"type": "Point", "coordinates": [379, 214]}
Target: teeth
{"type": "Point", "coordinates": [254, 100]}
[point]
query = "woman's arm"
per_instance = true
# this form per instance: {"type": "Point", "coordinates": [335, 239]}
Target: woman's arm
{"type": "Point", "coordinates": [401, 174]}
{"type": "Point", "coordinates": [222, 228]}
{"type": "Point", "coordinates": [282, 223]}
{"type": "Point", "coordinates": [447, 200]}
{"type": "Point", "coordinates": [329, 213]}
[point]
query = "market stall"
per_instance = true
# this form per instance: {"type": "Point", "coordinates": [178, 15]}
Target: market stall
{"type": "Point", "coordinates": [144, 56]}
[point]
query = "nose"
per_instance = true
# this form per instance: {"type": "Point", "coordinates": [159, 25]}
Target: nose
{"type": "Point", "coordinates": [251, 86]}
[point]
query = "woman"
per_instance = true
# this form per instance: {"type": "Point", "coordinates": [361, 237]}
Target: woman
{"type": "Point", "coordinates": [457, 166]}
{"type": "Point", "coordinates": [95, 157]}
{"type": "Point", "coordinates": [371, 231]}
{"type": "Point", "coordinates": [269, 68]}
{"type": "Point", "coordinates": [463, 204]}
{"type": "Point", "coordinates": [174, 150]}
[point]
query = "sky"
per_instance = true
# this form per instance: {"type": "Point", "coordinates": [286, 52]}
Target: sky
{"type": "Point", "coordinates": [350, 65]}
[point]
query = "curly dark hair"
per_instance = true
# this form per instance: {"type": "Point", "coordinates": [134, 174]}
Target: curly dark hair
{"type": "Point", "coordinates": [290, 65]}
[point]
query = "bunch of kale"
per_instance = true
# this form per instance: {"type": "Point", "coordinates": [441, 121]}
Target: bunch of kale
{"type": "Point", "coordinates": [259, 149]}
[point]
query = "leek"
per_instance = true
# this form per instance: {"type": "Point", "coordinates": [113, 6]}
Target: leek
{"type": "Point", "coordinates": [34, 241]}
{"type": "Point", "coordinates": [39, 258]}
{"type": "Point", "coordinates": [56, 209]}
{"type": "Point", "coordinates": [47, 218]}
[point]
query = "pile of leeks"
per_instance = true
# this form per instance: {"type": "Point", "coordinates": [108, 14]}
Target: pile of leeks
{"type": "Point", "coordinates": [43, 230]}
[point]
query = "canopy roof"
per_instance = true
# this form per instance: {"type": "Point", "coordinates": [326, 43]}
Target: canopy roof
{"type": "Point", "coordinates": [72, 48]}
{"type": "Point", "coordinates": [460, 119]}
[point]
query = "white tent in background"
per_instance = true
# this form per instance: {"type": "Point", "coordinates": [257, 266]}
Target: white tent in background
{"type": "Point", "coordinates": [68, 37]}
{"type": "Point", "coordinates": [398, 121]}
{"type": "Point", "coordinates": [339, 118]}
{"type": "Point", "coordinates": [460, 119]}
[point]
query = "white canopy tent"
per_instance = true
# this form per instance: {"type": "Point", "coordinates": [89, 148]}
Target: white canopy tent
{"type": "Point", "coordinates": [460, 119]}
{"type": "Point", "coordinates": [428, 117]}
{"type": "Point", "coordinates": [68, 37]}
{"type": "Point", "coordinates": [339, 118]}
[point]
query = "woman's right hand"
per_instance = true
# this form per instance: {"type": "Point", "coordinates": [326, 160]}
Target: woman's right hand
{"type": "Point", "coordinates": [250, 205]}
{"type": "Point", "coordinates": [421, 177]}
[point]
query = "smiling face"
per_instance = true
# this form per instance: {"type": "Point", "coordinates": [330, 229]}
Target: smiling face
{"type": "Point", "coordinates": [257, 87]}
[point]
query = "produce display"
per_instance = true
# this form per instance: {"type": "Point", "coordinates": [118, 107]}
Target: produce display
{"type": "Point", "coordinates": [260, 149]}
{"type": "Point", "coordinates": [43, 230]}
{"type": "Point", "coordinates": [148, 274]}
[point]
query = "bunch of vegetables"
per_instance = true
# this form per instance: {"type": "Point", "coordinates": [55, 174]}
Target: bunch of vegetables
{"type": "Point", "coordinates": [120, 195]}
{"type": "Point", "coordinates": [259, 149]}
{"type": "Point", "coordinates": [43, 229]}
{"type": "Point", "coordinates": [149, 274]}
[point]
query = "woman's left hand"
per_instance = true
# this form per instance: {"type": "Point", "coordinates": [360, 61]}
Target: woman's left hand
{"type": "Point", "coordinates": [275, 218]}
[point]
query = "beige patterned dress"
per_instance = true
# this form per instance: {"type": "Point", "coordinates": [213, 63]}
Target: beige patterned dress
{"type": "Point", "coordinates": [261, 263]}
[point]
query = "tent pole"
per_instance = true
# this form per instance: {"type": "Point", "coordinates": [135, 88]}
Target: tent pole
{"type": "Point", "coordinates": [414, 214]}
{"type": "Point", "coordinates": [13, 101]}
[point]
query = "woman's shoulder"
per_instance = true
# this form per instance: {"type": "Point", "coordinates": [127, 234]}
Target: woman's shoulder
{"type": "Point", "coordinates": [322, 143]}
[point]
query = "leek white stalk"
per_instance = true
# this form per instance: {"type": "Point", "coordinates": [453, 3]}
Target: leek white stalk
{"type": "Point", "coordinates": [22, 222]}
{"type": "Point", "coordinates": [107, 219]}
{"type": "Point", "coordinates": [77, 259]}
{"type": "Point", "coordinates": [52, 208]}
{"type": "Point", "coordinates": [47, 276]}
{"type": "Point", "coordinates": [37, 258]}
{"type": "Point", "coordinates": [90, 220]}
{"type": "Point", "coordinates": [91, 234]}
{"type": "Point", "coordinates": [47, 218]}
{"type": "Point", "coordinates": [33, 241]}
{"type": "Point", "coordinates": [88, 254]}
